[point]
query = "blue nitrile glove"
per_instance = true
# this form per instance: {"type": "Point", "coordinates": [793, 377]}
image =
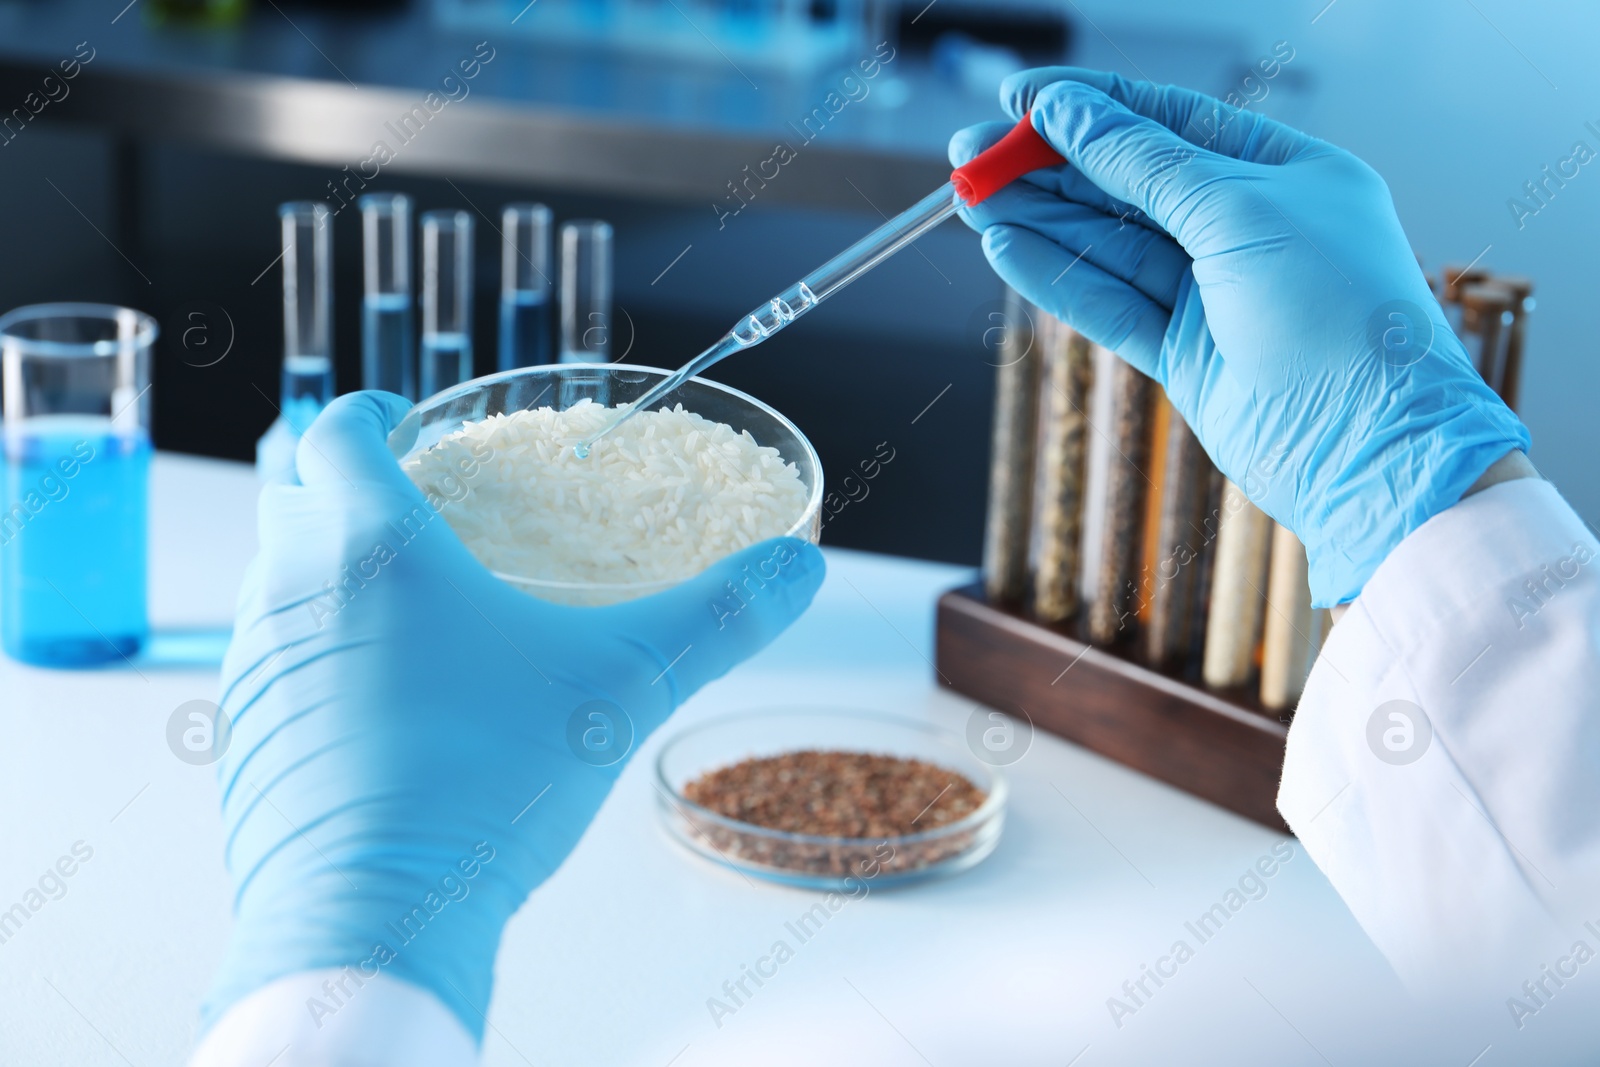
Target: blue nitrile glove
{"type": "Point", "coordinates": [275, 451]}
{"type": "Point", "coordinates": [416, 745]}
{"type": "Point", "coordinates": [1261, 276]}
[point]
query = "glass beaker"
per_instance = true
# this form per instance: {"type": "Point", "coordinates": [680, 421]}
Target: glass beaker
{"type": "Point", "coordinates": [77, 461]}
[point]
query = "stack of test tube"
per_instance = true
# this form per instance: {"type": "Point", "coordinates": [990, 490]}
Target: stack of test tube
{"type": "Point", "coordinates": [389, 343]}
{"type": "Point", "coordinates": [1108, 522]}
{"type": "Point", "coordinates": [391, 357]}
{"type": "Point", "coordinates": [1107, 518]}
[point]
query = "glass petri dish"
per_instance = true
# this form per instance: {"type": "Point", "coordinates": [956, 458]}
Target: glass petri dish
{"type": "Point", "coordinates": [562, 385]}
{"type": "Point", "coordinates": [813, 861]}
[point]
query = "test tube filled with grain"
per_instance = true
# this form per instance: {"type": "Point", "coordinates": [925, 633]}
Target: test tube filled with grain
{"type": "Point", "coordinates": [1158, 420]}
{"type": "Point", "coordinates": [1096, 469]}
{"type": "Point", "coordinates": [1233, 625]}
{"type": "Point", "coordinates": [1452, 280]}
{"type": "Point", "coordinates": [1521, 290]}
{"type": "Point", "coordinates": [1056, 530]}
{"type": "Point", "coordinates": [1205, 570]}
{"type": "Point", "coordinates": [1016, 410]}
{"type": "Point", "coordinates": [1186, 478]}
{"type": "Point", "coordinates": [1485, 315]}
{"type": "Point", "coordinates": [1113, 609]}
{"type": "Point", "coordinates": [1289, 628]}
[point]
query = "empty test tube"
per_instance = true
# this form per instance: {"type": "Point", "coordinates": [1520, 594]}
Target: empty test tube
{"type": "Point", "coordinates": [388, 324]}
{"type": "Point", "coordinates": [586, 291]}
{"type": "Point", "coordinates": [1056, 530]}
{"type": "Point", "coordinates": [524, 286]}
{"type": "Point", "coordinates": [1016, 411]}
{"type": "Point", "coordinates": [307, 311]}
{"type": "Point", "coordinates": [446, 300]}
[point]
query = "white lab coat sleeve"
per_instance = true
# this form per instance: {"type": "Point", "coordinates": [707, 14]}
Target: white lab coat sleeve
{"type": "Point", "coordinates": [1487, 619]}
{"type": "Point", "coordinates": [325, 1019]}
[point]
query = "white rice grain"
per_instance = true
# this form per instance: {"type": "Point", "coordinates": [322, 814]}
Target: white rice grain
{"type": "Point", "coordinates": [659, 499]}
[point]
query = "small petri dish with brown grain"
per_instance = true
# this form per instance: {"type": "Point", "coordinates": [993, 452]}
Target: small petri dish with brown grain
{"type": "Point", "coordinates": [829, 798]}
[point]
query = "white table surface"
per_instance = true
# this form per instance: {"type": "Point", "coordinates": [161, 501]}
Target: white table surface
{"type": "Point", "coordinates": [613, 960]}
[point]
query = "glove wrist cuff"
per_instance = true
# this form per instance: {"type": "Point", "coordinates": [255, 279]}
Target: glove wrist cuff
{"type": "Point", "coordinates": [1345, 550]}
{"type": "Point", "coordinates": [444, 943]}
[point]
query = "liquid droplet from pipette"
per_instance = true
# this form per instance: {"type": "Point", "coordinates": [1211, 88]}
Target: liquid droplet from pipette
{"type": "Point", "coordinates": [581, 450]}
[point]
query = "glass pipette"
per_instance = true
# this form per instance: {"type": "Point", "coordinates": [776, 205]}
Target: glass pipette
{"type": "Point", "coordinates": [1017, 153]}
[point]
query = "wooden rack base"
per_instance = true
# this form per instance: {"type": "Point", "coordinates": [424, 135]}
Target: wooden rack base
{"type": "Point", "coordinates": [1221, 746]}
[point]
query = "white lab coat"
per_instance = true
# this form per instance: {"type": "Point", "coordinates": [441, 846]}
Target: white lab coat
{"type": "Point", "coordinates": [1450, 862]}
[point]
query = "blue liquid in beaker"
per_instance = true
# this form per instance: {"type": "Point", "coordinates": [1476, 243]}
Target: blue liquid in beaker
{"type": "Point", "coordinates": [446, 361]}
{"type": "Point", "coordinates": [524, 330]}
{"type": "Point", "coordinates": [73, 542]}
{"type": "Point", "coordinates": [388, 345]}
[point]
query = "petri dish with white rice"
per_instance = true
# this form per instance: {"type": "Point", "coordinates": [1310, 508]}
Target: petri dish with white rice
{"type": "Point", "coordinates": [657, 501]}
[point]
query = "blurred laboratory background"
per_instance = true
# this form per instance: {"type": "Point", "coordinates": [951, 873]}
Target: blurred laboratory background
{"type": "Point", "coordinates": [728, 146]}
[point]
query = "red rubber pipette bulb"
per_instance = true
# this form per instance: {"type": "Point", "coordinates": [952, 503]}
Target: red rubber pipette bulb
{"type": "Point", "coordinates": [1017, 153]}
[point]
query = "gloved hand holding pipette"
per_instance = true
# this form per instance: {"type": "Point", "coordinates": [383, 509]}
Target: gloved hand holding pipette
{"type": "Point", "coordinates": [417, 744]}
{"type": "Point", "coordinates": [1261, 276]}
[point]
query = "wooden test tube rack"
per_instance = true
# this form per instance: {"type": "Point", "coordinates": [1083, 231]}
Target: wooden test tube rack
{"type": "Point", "coordinates": [1019, 641]}
{"type": "Point", "coordinates": [1220, 745]}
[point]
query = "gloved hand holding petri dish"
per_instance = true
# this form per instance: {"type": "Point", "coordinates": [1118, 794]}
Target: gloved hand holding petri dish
{"type": "Point", "coordinates": [418, 743]}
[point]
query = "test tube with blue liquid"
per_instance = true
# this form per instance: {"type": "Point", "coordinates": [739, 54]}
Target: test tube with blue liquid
{"type": "Point", "coordinates": [307, 388]}
{"type": "Point", "coordinates": [446, 300]}
{"type": "Point", "coordinates": [586, 291]}
{"type": "Point", "coordinates": [77, 459]}
{"type": "Point", "coordinates": [525, 324]}
{"type": "Point", "coordinates": [307, 311]}
{"type": "Point", "coordinates": [388, 323]}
